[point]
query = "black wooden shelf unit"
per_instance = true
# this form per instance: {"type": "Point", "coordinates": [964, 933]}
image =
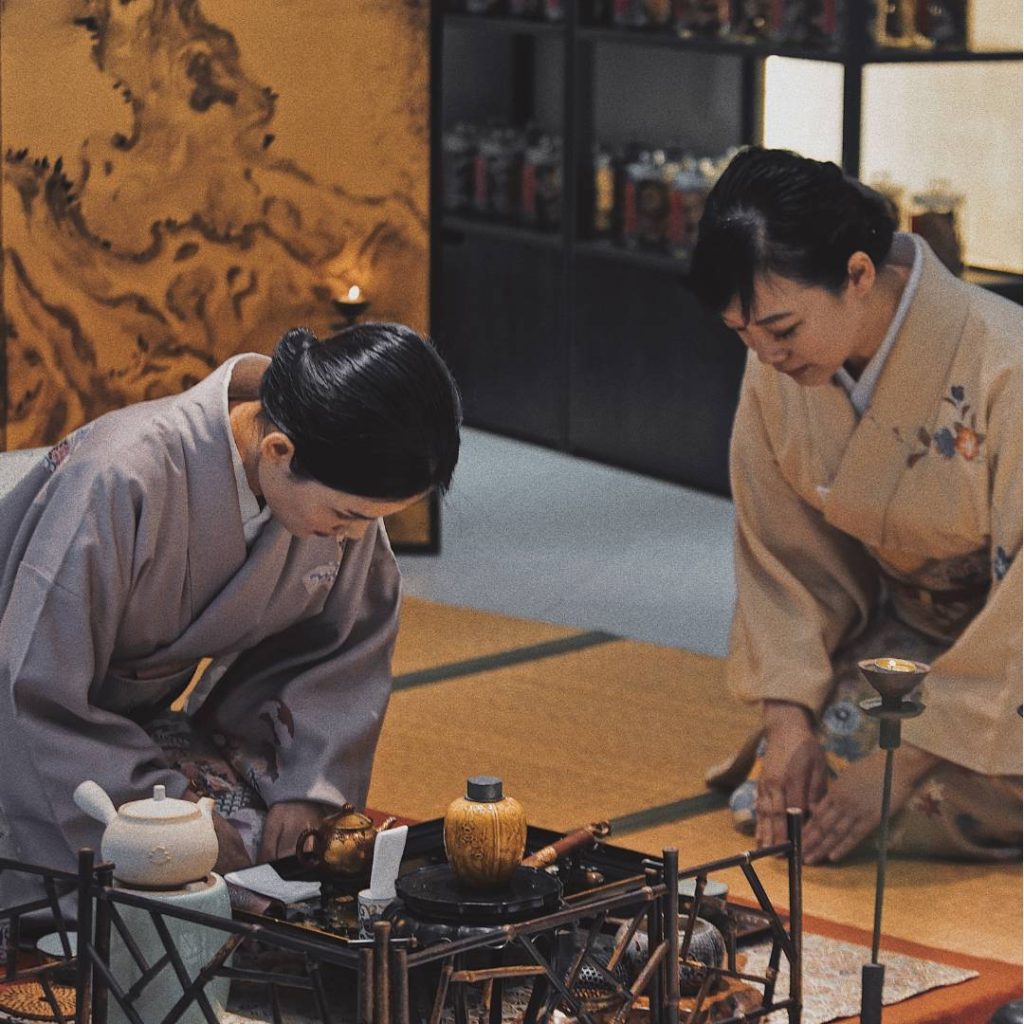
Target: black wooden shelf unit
{"type": "Point", "coordinates": [575, 342]}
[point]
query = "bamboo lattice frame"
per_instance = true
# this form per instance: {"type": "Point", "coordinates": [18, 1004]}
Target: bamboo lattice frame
{"type": "Point", "coordinates": [384, 968]}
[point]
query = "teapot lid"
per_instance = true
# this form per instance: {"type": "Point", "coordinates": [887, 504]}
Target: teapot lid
{"type": "Point", "coordinates": [160, 806]}
{"type": "Point", "coordinates": [349, 818]}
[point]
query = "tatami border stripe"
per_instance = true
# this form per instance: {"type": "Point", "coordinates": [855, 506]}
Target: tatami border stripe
{"type": "Point", "coordinates": [503, 659]}
{"type": "Point", "coordinates": [665, 814]}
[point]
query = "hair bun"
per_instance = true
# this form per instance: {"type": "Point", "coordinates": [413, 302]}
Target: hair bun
{"type": "Point", "coordinates": [295, 343]}
{"type": "Point", "coordinates": [373, 412]}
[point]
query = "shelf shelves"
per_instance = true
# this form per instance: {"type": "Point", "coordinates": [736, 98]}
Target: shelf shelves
{"type": "Point", "coordinates": [512, 26]}
{"type": "Point", "coordinates": [995, 280]}
{"type": "Point", "coordinates": [1010, 286]}
{"type": "Point", "coordinates": [480, 228]}
{"type": "Point", "coordinates": [553, 334]}
{"type": "Point", "coordinates": [991, 278]}
{"type": "Point", "coordinates": [698, 44]}
{"type": "Point", "coordinates": [1001, 282]}
{"type": "Point", "coordinates": [667, 38]}
{"type": "Point", "coordinates": [898, 55]}
{"type": "Point", "coordinates": [636, 257]}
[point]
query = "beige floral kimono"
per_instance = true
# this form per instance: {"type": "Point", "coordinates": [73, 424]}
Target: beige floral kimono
{"type": "Point", "coordinates": [896, 533]}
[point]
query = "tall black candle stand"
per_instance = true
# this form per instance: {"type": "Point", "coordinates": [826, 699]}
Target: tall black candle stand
{"type": "Point", "coordinates": [893, 678]}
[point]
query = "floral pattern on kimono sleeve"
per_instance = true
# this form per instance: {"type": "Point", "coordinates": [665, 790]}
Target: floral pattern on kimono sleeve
{"type": "Point", "coordinates": [959, 437]}
{"type": "Point", "coordinates": [973, 690]}
{"type": "Point", "coordinates": [58, 454]}
{"type": "Point", "coordinates": [1001, 563]}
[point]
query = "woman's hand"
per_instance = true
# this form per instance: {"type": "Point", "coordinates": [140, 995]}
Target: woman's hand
{"type": "Point", "coordinates": [232, 855]}
{"type": "Point", "coordinates": [794, 771]}
{"type": "Point", "coordinates": [849, 813]}
{"type": "Point", "coordinates": [284, 822]}
{"type": "Point", "coordinates": [231, 852]}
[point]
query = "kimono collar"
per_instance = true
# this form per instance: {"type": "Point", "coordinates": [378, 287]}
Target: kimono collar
{"type": "Point", "coordinates": [912, 381]}
{"type": "Point", "coordinates": [907, 250]}
{"type": "Point", "coordinates": [907, 399]}
{"type": "Point", "coordinates": [216, 543]}
{"type": "Point", "coordinates": [253, 517]}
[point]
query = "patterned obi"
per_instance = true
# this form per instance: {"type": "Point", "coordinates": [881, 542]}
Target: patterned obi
{"type": "Point", "coordinates": [941, 598]}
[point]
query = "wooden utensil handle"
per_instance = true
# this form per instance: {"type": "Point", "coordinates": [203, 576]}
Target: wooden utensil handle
{"type": "Point", "coordinates": [574, 840]}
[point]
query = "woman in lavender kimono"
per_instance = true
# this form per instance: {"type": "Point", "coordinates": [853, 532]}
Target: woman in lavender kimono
{"type": "Point", "coordinates": [239, 521]}
{"type": "Point", "coordinates": [876, 472]}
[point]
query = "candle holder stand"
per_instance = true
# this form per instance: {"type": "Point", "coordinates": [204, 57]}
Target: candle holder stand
{"type": "Point", "coordinates": [351, 310]}
{"type": "Point", "coordinates": [893, 679]}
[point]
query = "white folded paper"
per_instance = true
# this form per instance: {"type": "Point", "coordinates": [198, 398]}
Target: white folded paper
{"type": "Point", "coordinates": [387, 857]}
{"type": "Point", "coordinates": [265, 880]}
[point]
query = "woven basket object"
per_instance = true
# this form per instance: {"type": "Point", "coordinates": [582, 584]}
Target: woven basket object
{"type": "Point", "coordinates": [28, 1001]}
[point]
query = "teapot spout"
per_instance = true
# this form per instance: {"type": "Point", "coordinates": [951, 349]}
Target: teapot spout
{"type": "Point", "coordinates": [90, 798]}
{"type": "Point", "coordinates": [206, 805]}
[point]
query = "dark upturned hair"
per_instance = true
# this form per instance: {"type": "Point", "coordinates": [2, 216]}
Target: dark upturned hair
{"type": "Point", "coordinates": [775, 212]}
{"type": "Point", "coordinates": [372, 410]}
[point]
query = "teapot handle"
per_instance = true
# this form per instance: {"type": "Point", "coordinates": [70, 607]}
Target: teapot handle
{"type": "Point", "coordinates": [308, 858]}
{"type": "Point", "coordinates": [93, 800]}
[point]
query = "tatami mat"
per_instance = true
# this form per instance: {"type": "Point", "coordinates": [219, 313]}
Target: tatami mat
{"type": "Point", "coordinates": [625, 730]}
{"type": "Point", "coordinates": [432, 634]}
{"type": "Point", "coordinates": [597, 733]}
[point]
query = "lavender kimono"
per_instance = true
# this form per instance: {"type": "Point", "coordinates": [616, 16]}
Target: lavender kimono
{"type": "Point", "coordinates": [124, 564]}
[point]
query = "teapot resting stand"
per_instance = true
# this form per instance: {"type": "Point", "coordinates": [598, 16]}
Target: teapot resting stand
{"type": "Point", "coordinates": [195, 943]}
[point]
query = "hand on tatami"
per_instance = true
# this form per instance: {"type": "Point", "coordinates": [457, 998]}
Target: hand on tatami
{"type": "Point", "coordinates": [794, 770]}
{"type": "Point", "coordinates": [849, 812]}
{"type": "Point", "coordinates": [283, 824]}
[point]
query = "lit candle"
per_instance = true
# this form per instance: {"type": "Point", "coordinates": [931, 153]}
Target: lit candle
{"type": "Point", "coordinates": [351, 303]}
{"type": "Point", "coordinates": [895, 665]}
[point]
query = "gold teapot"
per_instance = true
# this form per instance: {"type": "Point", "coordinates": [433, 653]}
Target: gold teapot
{"type": "Point", "coordinates": [342, 843]}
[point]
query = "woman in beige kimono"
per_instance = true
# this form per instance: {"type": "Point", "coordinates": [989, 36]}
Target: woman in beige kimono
{"type": "Point", "coordinates": [239, 521]}
{"type": "Point", "coordinates": [876, 472]}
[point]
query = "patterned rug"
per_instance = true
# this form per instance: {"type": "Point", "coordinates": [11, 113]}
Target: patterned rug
{"type": "Point", "coordinates": [832, 972]}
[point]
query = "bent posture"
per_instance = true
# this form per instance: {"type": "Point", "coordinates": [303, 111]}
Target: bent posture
{"type": "Point", "coordinates": [239, 521]}
{"type": "Point", "coordinates": [876, 471]}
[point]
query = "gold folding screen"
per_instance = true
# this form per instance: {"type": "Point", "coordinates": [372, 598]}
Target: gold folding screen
{"type": "Point", "coordinates": [185, 179]}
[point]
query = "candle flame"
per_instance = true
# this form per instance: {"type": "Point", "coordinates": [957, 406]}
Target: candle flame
{"type": "Point", "coordinates": [355, 293]}
{"type": "Point", "coordinates": [895, 665]}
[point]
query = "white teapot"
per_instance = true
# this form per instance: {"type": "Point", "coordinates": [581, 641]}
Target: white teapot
{"type": "Point", "coordinates": [158, 843]}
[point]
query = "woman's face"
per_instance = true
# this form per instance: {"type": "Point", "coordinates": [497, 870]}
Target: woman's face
{"type": "Point", "coordinates": [307, 508]}
{"type": "Point", "coordinates": [805, 331]}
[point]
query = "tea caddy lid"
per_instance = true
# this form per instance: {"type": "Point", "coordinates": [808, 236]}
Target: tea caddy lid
{"type": "Point", "coordinates": [160, 807]}
{"type": "Point", "coordinates": [483, 789]}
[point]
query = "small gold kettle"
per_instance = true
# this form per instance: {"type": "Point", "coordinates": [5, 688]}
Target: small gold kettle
{"type": "Point", "coordinates": [342, 843]}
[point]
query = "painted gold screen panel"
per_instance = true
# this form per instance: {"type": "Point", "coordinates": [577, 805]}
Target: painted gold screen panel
{"type": "Point", "coordinates": [185, 179]}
